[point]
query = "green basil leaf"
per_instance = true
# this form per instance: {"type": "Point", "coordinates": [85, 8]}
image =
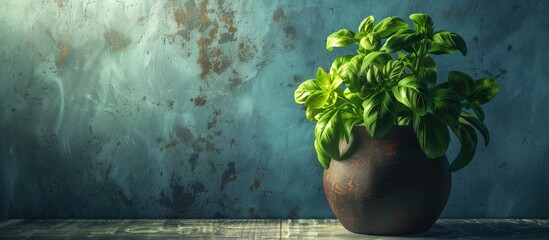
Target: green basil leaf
{"type": "Point", "coordinates": [446, 105]}
{"type": "Point", "coordinates": [462, 83]}
{"type": "Point", "coordinates": [447, 42]}
{"type": "Point", "coordinates": [367, 25]}
{"type": "Point", "coordinates": [389, 26]}
{"type": "Point", "coordinates": [470, 119]}
{"type": "Point", "coordinates": [401, 40]}
{"type": "Point", "coordinates": [328, 131]}
{"type": "Point", "coordinates": [335, 83]}
{"type": "Point", "coordinates": [321, 114]}
{"type": "Point", "coordinates": [317, 99]}
{"type": "Point", "coordinates": [349, 95]}
{"type": "Point", "coordinates": [374, 57]}
{"type": "Point", "coordinates": [341, 38]}
{"type": "Point", "coordinates": [304, 90]}
{"type": "Point", "coordinates": [323, 158]}
{"type": "Point", "coordinates": [444, 85]}
{"type": "Point", "coordinates": [393, 70]}
{"type": "Point", "coordinates": [374, 75]}
{"type": "Point", "coordinates": [371, 42]}
{"type": "Point", "coordinates": [427, 68]}
{"type": "Point", "coordinates": [339, 62]}
{"type": "Point", "coordinates": [359, 35]}
{"type": "Point", "coordinates": [362, 51]}
{"type": "Point", "coordinates": [312, 113]}
{"type": "Point", "coordinates": [433, 136]}
{"type": "Point", "coordinates": [485, 90]}
{"type": "Point", "coordinates": [323, 79]}
{"type": "Point", "coordinates": [366, 91]}
{"type": "Point", "coordinates": [353, 142]}
{"type": "Point", "coordinates": [332, 97]}
{"type": "Point", "coordinates": [428, 71]}
{"type": "Point", "coordinates": [403, 110]}
{"type": "Point", "coordinates": [468, 139]}
{"type": "Point", "coordinates": [379, 114]}
{"type": "Point", "coordinates": [413, 93]}
{"type": "Point", "coordinates": [404, 121]}
{"type": "Point", "coordinates": [352, 73]}
{"type": "Point", "coordinates": [350, 120]}
{"type": "Point", "coordinates": [478, 110]}
{"type": "Point", "coordinates": [422, 23]}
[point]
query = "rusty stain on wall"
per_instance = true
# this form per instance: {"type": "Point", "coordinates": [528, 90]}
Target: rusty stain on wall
{"type": "Point", "coordinates": [246, 51]}
{"type": "Point", "coordinates": [297, 78]}
{"type": "Point", "coordinates": [171, 144]}
{"type": "Point", "coordinates": [278, 15]}
{"type": "Point", "coordinates": [193, 160]}
{"type": "Point", "coordinates": [60, 3]}
{"type": "Point", "coordinates": [181, 202]}
{"type": "Point", "coordinates": [178, 16]}
{"type": "Point", "coordinates": [211, 58]}
{"type": "Point", "coordinates": [293, 213]}
{"type": "Point", "coordinates": [141, 20]}
{"type": "Point", "coordinates": [199, 101]}
{"type": "Point", "coordinates": [228, 19]}
{"type": "Point", "coordinates": [184, 134]}
{"type": "Point", "coordinates": [124, 198]}
{"type": "Point", "coordinates": [251, 212]}
{"type": "Point", "coordinates": [228, 176]}
{"type": "Point", "coordinates": [451, 12]}
{"type": "Point", "coordinates": [203, 12]}
{"type": "Point", "coordinates": [116, 40]}
{"type": "Point", "coordinates": [63, 54]}
{"type": "Point", "coordinates": [217, 52]}
{"type": "Point", "coordinates": [202, 142]}
{"type": "Point", "coordinates": [255, 185]}
{"type": "Point", "coordinates": [170, 104]}
{"type": "Point", "coordinates": [235, 83]}
{"type": "Point", "coordinates": [290, 32]}
{"type": "Point", "coordinates": [212, 123]}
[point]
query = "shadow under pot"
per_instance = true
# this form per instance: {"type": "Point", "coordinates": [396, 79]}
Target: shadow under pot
{"type": "Point", "coordinates": [387, 186]}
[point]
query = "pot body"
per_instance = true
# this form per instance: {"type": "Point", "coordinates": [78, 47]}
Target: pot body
{"type": "Point", "coordinates": [387, 186]}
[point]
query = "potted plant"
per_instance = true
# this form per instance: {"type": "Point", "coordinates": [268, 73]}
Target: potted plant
{"type": "Point", "coordinates": [384, 119]}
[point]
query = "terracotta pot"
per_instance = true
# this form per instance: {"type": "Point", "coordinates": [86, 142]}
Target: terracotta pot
{"type": "Point", "coordinates": [387, 186]}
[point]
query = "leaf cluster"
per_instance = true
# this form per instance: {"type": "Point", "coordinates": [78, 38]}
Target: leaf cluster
{"type": "Point", "coordinates": [392, 80]}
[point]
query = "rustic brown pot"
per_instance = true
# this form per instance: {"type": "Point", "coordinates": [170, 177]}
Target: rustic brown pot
{"type": "Point", "coordinates": [387, 186]}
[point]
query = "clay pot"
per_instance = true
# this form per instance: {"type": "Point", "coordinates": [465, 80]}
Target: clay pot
{"type": "Point", "coordinates": [387, 186]}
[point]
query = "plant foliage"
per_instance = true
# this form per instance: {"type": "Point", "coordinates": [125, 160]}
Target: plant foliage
{"type": "Point", "coordinates": [392, 80]}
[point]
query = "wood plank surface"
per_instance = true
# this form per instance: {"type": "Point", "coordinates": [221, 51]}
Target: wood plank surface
{"type": "Point", "coordinates": [316, 229]}
{"type": "Point", "coordinates": [143, 229]}
{"type": "Point", "coordinates": [443, 229]}
{"type": "Point", "coordinates": [257, 229]}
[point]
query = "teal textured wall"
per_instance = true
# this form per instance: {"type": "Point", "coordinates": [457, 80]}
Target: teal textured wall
{"type": "Point", "coordinates": [157, 109]}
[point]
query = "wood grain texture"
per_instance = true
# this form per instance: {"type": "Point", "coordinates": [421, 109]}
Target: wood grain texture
{"type": "Point", "coordinates": [258, 229]}
{"type": "Point", "coordinates": [316, 229]}
{"type": "Point", "coordinates": [143, 228]}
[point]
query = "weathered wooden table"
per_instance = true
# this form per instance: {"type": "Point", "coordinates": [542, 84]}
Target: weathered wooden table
{"type": "Point", "coordinates": [257, 229]}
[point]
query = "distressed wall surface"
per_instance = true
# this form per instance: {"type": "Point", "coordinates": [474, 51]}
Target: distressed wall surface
{"type": "Point", "coordinates": [184, 109]}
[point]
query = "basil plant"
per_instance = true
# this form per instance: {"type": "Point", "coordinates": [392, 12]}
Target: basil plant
{"type": "Point", "coordinates": [392, 80]}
